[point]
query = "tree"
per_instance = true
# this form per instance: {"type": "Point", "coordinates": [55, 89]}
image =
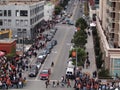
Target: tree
{"type": "Point", "coordinates": [79, 39]}
{"type": "Point", "coordinates": [81, 56]}
{"type": "Point", "coordinates": [81, 23]}
{"type": "Point", "coordinates": [57, 10]}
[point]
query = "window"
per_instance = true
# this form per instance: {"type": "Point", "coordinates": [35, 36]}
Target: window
{"type": "Point", "coordinates": [9, 12]}
{"type": "Point", "coordinates": [1, 22]}
{"type": "Point", "coordinates": [21, 23]}
{"type": "Point", "coordinates": [5, 12]}
{"type": "Point", "coordinates": [17, 22]}
{"type": "Point", "coordinates": [25, 22]}
{"type": "Point", "coordinates": [1, 13]}
{"type": "Point", "coordinates": [5, 22]}
{"type": "Point", "coordinates": [17, 13]}
{"type": "Point", "coordinates": [9, 22]}
{"type": "Point", "coordinates": [23, 13]}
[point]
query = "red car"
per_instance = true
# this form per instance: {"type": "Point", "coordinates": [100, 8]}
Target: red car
{"type": "Point", "coordinates": [45, 74]}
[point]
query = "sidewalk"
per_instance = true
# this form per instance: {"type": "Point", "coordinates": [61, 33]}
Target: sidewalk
{"type": "Point", "coordinates": [90, 50]}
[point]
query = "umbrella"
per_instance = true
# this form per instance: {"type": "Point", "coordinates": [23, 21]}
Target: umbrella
{"type": "Point", "coordinates": [2, 53]}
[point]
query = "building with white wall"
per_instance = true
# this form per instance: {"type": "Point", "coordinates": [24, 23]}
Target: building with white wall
{"type": "Point", "coordinates": [48, 11]}
{"type": "Point", "coordinates": [22, 17]}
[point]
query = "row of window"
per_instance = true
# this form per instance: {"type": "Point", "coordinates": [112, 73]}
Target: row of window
{"type": "Point", "coordinates": [36, 10]}
{"type": "Point", "coordinates": [35, 19]}
{"type": "Point", "coordinates": [5, 22]}
{"type": "Point", "coordinates": [5, 12]}
{"type": "Point", "coordinates": [21, 22]}
{"type": "Point", "coordinates": [8, 22]}
{"type": "Point", "coordinates": [21, 13]}
{"type": "Point", "coordinates": [17, 13]}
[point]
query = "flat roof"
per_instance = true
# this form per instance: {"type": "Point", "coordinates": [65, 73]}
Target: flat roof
{"type": "Point", "coordinates": [20, 2]}
{"type": "Point", "coordinates": [6, 40]}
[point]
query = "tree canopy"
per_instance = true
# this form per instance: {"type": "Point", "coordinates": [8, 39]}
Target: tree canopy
{"type": "Point", "coordinates": [57, 10]}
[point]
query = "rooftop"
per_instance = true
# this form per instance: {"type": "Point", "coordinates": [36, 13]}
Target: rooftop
{"type": "Point", "coordinates": [18, 2]}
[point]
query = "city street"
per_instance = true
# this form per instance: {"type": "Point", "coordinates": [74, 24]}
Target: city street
{"type": "Point", "coordinates": [59, 54]}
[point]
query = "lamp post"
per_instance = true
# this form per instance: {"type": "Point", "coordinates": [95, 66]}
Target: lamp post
{"type": "Point", "coordinates": [76, 58]}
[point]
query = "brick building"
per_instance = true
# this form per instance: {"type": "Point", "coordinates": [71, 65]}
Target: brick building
{"type": "Point", "coordinates": [8, 45]}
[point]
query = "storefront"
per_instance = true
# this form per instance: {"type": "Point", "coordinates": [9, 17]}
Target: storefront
{"type": "Point", "coordinates": [115, 66]}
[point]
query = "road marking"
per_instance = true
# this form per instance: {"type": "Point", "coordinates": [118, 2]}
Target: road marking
{"type": "Point", "coordinates": [68, 44]}
{"type": "Point", "coordinates": [54, 51]}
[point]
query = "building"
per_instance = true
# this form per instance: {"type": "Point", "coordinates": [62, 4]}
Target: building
{"type": "Point", "coordinates": [48, 11]}
{"type": "Point", "coordinates": [8, 46]}
{"type": "Point", "coordinates": [23, 17]}
{"type": "Point", "coordinates": [108, 24]}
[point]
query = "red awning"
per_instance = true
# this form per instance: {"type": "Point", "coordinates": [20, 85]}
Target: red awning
{"type": "Point", "coordinates": [2, 53]}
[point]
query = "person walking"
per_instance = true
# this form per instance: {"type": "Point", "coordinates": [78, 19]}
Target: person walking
{"type": "Point", "coordinates": [46, 83]}
{"type": "Point", "coordinates": [68, 83]}
{"type": "Point", "coordinates": [53, 83]}
{"type": "Point", "coordinates": [52, 64]}
{"type": "Point", "coordinates": [57, 83]}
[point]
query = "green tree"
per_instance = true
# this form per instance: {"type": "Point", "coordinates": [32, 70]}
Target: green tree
{"type": "Point", "coordinates": [103, 73]}
{"type": "Point", "coordinates": [81, 23]}
{"type": "Point", "coordinates": [64, 3]}
{"type": "Point", "coordinates": [81, 56]}
{"type": "Point", "coordinates": [57, 10]}
{"type": "Point", "coordinates": [99, 60]}
{"type": "Point", "coordinates": [79, 39]}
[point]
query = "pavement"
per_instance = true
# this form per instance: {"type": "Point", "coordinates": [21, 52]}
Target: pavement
{"type": "Point", "coordinates": [90, 50]}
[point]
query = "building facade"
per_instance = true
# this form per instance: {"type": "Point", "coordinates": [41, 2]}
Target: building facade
{"type": "Point", "coordinates": [8, 46]}
{"type": "Point", "coordinates": [22, 17]}
{"type": "Point", "coordinates": [108, 24]}
{"type": "Point", "coordinates": [48, 11]}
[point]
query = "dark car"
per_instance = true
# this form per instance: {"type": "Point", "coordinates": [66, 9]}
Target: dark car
{"type": "Point", "coordinates": [49, 46]}
{"type": "Point", "coordinates": [53, 31]}
{"type": "Point", "coordinates": [54, 42]}
{"type": "Point", "coordinates": [70, 23]}
{"type": "Point", "coordinates": [47, 51]}
{"type": "Point", "coordinates": [33, 71]}
{"type": "Point", "coordinates": [49, 37]}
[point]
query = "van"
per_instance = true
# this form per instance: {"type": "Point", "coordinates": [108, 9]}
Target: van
{"type": "Point", "coordinates": [70, 64]}
{"type": "Point", "coordinates": [70, 73]}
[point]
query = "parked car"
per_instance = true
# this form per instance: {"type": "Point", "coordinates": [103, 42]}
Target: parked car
{"type": "Point", "coordinates": [41, 58]}
{"type": "Point", "coordinates": [45, 74]}
{"type": "Point", "coordinates": [33, 70]}
{"type": "Point", "coordinates": [53, 31]}
{"type": "Point", "coordinates": [64, 22]}
{"type": "Point", "coordinates": [38, 63]}
{"type": "Point", "coordinates": [49, 46]}
{"type": "Point", "coordinates": [47, 51]}
{"type": "Point", "coordinates": [54, 42]}
{"type": "Point", "coordinates": [43, 54]}
{"type": "Point", "coordinates": [49, 37]}
{"type": "Point", "coordinates": [70, 23]}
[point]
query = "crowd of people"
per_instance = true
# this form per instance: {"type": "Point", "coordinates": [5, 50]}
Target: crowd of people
{"type": "Point", "coordinates": [84, 82]}
{"type": "Point", "coordinates": [12, 69]}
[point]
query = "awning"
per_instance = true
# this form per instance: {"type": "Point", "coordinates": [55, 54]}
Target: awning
{"type": "Point", "coordinates": [2, 53]}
